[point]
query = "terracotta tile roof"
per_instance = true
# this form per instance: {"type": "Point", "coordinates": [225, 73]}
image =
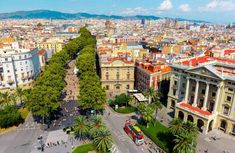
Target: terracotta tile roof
{"type": "Point", "coordinates": [229, 51]}
{"type": "Point", "coordinates": [195, 109]}
{"type": "Point", "coordinates": [41, 52]}
{"type": "Point", "coordinates": [199, 60]}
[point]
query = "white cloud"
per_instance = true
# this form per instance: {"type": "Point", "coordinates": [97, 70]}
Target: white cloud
{"type": "Point", "coordinates": [134, 11]}
{"type": "Point", "coordinates": [221, 5]}
{"type": "Point", "coordinates": [184, 8]}
{"type": "Point", "coordinates": [165, 5]}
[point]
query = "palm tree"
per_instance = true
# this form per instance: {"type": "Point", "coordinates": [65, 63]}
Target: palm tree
{"type": "Point", "coordinates": [19, 93]}
{"type": "Point", "coordinates": [96, 125]}
{"type": "Point", "coordinates": [150, 93]}
{"type": "Point", "coordinates": [148, 114]}
{"type": "Point", "coordinates": [176, 126]}
{"type": "Point", "coordinates": [1, 99]}
{"type": "Point", "coordinates": [81, 128]}
{"type": "Point", "coordinates": [184, 143]}
{"type": "Point", "coordinates": [7, 98]}
{"type": "Point", "coordinates": [156, 102]}
{"type": "Point", "coordinates": [191, 128]}
{"type": "Point", "coordinates": [103, 141]}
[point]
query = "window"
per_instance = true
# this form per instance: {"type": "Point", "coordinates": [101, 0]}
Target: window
{"type": "Point", "coordinates": [128, 86]}
{"type": "Point", "coordinates": [25, 56]}
{"type": "Point", "coordinates": [107, 87]}
{"type": "Point", "coordinates": [233, 129]}
{"type": "Point", "coordinates": [175, 82]}
{"type": "Point", "coordinates": [213, 94]}
{"type": "Point", "coordinates": [226, 110]}
{"type": "Point", "coordinates": [230, 89]}
{"type": "Point", "coordinates": [228, 98]}
{"type": "Point", "coordinates": [117, 87]}
{"type": "Point", "coordinates": [193, 88]}
{"type": "Point", "coordinates": [174, 92]}
{"type": "Point", "coordinates": [128, 75]}
{"type": "Point", "coordinates": [6, 59]}
{"type": "Point", "coordinates": [203, 91]}
{"type": "Point", "coordinates": [107, 75]}
{"type": "Point", "coordinates": [118, 75]}
{"type": "Point", "coordinates": [8, 71]}
{"type": "Point", "coordinates": [183, 85]}
{"type": "Point", "coordinates": [19, 57]}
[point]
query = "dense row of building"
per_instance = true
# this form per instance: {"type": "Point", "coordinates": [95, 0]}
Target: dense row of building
{"type": "Point", "coordinates": [25, 47]}
{"type": "Point", "coordinates": [197, 60]}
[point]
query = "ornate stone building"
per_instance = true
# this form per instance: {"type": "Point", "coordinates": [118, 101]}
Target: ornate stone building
{"type": "Point", "coordinates": [204, 93]}
{"type": "Point", "coordinates": [117, 75]}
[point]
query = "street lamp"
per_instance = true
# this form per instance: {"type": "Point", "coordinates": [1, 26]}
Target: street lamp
{"type": "Point", "coordinates": [72, 140]}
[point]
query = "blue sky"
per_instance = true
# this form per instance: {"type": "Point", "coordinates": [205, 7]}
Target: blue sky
{"type": "Point", "coordinates": [219, 11]}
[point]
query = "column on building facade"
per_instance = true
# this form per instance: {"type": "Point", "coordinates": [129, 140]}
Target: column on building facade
{"type": "Point", "coordinates": [232, 108]}
{"type": "Point", "coordinates": [178, 87]}
{"type": "Point", "coordinates": [217, 98]}
{"type": "Point", "coordinates": [196, 94]}
{"type": "Point", "coordinates": [187, 90]}
{"type": "Point", "coordinates": [206, 96]}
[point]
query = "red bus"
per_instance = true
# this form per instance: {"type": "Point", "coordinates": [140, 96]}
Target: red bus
{"type": "Point", "coordinates": [134, 133]}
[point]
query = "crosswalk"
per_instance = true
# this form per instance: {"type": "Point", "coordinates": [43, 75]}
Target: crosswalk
{"type": "Point", "coordinates": [114, 149]}
{"type": "Point", "coordinates": [123, 138]}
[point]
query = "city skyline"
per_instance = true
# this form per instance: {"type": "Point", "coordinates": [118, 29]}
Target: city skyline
{"type": "Point", "coordinates": [208, 10]}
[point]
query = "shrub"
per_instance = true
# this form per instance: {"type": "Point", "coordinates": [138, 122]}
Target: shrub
{"type": "Point", "coordinates": [9, 116]}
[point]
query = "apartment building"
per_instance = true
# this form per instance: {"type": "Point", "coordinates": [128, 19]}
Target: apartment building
{"type": "Point", "coordinates": [150, 74]}
{"type": "Point", "coordinates": [18, 67]}
{"type": "Point", "coordinates": [117, 75]}
{"type": "Point", "coordinates": [51, 46]}
{"type": "Point", "coordinates": [202, 90]}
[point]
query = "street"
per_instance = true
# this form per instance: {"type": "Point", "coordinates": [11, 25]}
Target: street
{"type": "Point", "coordinates": [122, 142]}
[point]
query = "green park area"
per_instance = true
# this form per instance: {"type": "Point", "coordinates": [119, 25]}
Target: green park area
{"type": "Point", "coordinates": [126, 110]}
{"type": "Point", "coordinates": [121, 104]}
{"type": "Point", "coordinates": [84, 148]}
{"type": "Point", "coordinates": [159, 134]}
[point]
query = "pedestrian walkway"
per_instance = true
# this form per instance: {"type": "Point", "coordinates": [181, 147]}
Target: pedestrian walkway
{"type": "Point", "coordinates": [69, 101]}
{"type": "Point", "coordinates": [29, 124]}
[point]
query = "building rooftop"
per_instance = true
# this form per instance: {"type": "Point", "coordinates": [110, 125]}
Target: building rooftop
{"type": "Point", "coordinates": [14, 51]}
{"type": "Point", "coordinates": [153, 67]}
{"type": "Point", "coordinates": [140, 97]}
{"type": "Point", "coordinates": [194, 109]}
{"type": "Point", "coordinates": [206, 59]}
{"type": "Point", "coordinates": [109, 60]}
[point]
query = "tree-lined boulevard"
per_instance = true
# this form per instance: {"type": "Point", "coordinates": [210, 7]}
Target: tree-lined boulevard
{"type": "Point", "coordinates": [76, 103]}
